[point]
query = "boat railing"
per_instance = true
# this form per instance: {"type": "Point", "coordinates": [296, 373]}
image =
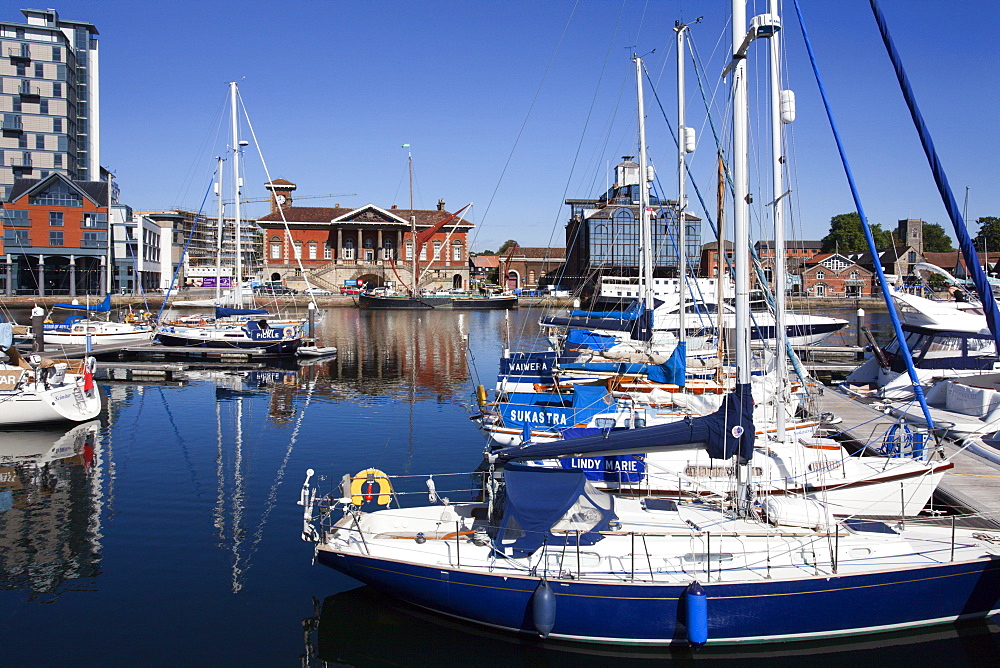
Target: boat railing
{"type": "Point", "coordinates": [716, 556]}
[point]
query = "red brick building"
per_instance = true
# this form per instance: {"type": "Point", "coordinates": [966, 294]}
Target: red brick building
{"type": "Point", "coordinates": [367, 243]}
{"type": "Point", "coordinates": [55, 237]}
{"type": "Point", "coordinates": [836, 275]}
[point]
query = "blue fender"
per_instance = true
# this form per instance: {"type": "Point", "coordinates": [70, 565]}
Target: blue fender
{"type": "Point", "coordinates": [543, 608]}
{"type": "Point", "coordinates": [697, 614]}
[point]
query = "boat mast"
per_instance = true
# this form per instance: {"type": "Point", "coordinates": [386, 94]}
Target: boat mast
{"type": "Point", "coordinates": [413, 221]}
{"type": "Point", "coordinates": [780, 113]}
{"type": "Point", "coordinates": [219, 227]}
{"type": "Point", "coordinates": [685, 144]}
{"type": "Point", "coordinates": [645, 236]}
{"type": "Point", "coordinates": [111, 241]}
{"type": "Point", "coordinates": [741, 191]}
{"type": "Point", "coordinates": [237, 147]}
{"type": "Point", "coordinates": [741, 229]}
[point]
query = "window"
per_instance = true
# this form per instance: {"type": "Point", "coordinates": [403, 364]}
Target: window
{"type": "Point", "coordinates": [855, 275]}
{"type": "Point", "coordinates": [39, 71]}
{"type": "Point", "coordinates": [55, 237]}
{"type": "Point", "coordinates": [40, 142]}
{"type": "Point", "coordinates": [16, 238]}
{"type": "Point", "coordinates": [56, 218]}
{"type": "Point", "coordinates": [456, 252]}
{"type": "Point", "coordinates": [298, 250]}
{"type": "Point", "coordinates": [327, 252]}
{"type": "Point", "coordinates": [56, 53]}
{"type": "Point", "coordinates": [423, 252]}
{"type": "Point", "coordinates": [56, 89]}
{"type": "Point", "coordinates": [43, 107]}
{"type": "Point", "coordinates": [275, 248]}
{"type": "Point", "coordinates": [57, 159]}
{"type": "Point", "coordinates": [912, 257]}
{"type": "Point", "coordinates": [96, 220]}
{"type": "Point", "coordinates": [409, 250]}
{"type": "Point", "coordinates": [22, 70]}
{"type": "Point", "coordinates": [62, 194]}
{"type": "Point", "coordinates": [16, 218]}
{"type": "Point", "coordinates": [348, 250]}
{"type": "Point", "coordinates": [22, 141]}
{"type": "Point", "coordinates": [57, 125]}
{"type": "Point", "coordinates": [820, 275]}
{"type": "Point", "coordinates": [312, 250]}
{"type": "Point", "coordinates": [437, 251]}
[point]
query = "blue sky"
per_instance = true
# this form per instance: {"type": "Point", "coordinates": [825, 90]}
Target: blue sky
{"type": "Point", "coordinates": [516, 106]}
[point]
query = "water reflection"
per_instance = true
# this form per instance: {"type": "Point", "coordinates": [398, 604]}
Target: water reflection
{"type": "Point", "coordinates": [50, 508]}
{"type": "Point", "coordinates": [360, 627]}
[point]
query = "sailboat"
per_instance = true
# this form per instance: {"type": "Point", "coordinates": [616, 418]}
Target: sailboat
{"type": "Point", "coordinates": [546, 553]}
{"type": "Point", "coordinates": [414, 297]}
{"type": "Point", "coordinates": [82, 329]}
{"type": "Point", "coordinates": [40, 390]}
{"type": "Point", "coordinates": [254, 331]}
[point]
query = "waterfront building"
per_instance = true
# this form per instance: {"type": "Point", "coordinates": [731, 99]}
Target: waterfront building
{"type": "Point", "coordinates": [56, 236]}
{"type": "Point", "coordinates": [136, 251]}
{"type": "Point", "coordinates": [369, 244]}
{"type": "Point", "coordinates": [190, 245]}
{"type": "Point", "coordinates": [602, 236]}
{"type": "Point", "coordinates": [49, 99]}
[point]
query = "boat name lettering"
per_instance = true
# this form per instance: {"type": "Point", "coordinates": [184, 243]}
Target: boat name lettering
{"type": "Point", "coordinates": [535, 417]}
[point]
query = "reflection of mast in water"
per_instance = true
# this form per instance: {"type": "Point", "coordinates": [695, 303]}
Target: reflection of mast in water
{"type": "Point", "coordinates": [242, 549]}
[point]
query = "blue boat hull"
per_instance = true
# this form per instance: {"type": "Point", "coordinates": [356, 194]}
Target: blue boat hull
{"type": "Point", "coordinates": [280, 347]}
{"type": "Point", "coordinates": [653, 614]}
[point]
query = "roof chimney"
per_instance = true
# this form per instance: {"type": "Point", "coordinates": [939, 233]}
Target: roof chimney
{"type": "Point", "coordinates": [441, 204]}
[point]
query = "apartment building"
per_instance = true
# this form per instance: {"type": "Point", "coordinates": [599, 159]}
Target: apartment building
{"type": "Point", "coordinates": [49, 99]}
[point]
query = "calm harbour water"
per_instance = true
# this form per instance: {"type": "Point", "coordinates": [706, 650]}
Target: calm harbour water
{"type": "Point", "coordinates": [167, 533]}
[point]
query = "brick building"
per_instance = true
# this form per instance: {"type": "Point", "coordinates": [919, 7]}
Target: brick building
{"type": "Point", "coordinates": [836, 275]}
{"type": "Point", "coordinates": [367, 243]}
{"type": "Point", "coordinates": [56, 237]}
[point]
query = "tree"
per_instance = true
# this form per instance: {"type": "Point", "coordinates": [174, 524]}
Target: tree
{"type": "Point", "coordinates": [988, 239]}
{"type": "Point", "coordinates": [847, 236]}
{"type": "Point", "coordinates": [506, 246]}
{"type": "Point", "coordinates": [936, 240]}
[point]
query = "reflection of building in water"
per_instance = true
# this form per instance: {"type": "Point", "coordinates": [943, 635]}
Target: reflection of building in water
{"type": "Point", "coordinates": [382, 352]}
{"type": "Point", "coordinates": [49, 509]}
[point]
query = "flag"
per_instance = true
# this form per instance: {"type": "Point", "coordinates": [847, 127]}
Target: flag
{"type": "Point", "coordinates": [406, 146]}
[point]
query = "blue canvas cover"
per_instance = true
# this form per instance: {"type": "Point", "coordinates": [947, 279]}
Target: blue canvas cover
{"type": "Point", "coordinates": [6, 335]}
{"type": "Point", "coordinates": [534, 499]}
{"type": "Point", "coordinates": [261, 331]}
{"type": "Point", "coordinates": [557, 411]}
{"type": "Point", "coordinates": [726, 432]}
{"type": "Point", "coordinates": [584, 338]}
{"type": "Point", "coordinates": [103, 306]}
{"type": "Point", "coordinates": [674, 370]}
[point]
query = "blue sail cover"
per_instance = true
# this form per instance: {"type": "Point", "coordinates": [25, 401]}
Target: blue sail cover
{"type": "Point", "coordinates": [583, 338]}
{"type": "Point", "coordinates": [223, 312]}
{"type": "Point", "coordinates": [726, 432]}
{"type": "Point", "coordinates": [534, 499]}
{"type": "Point", "coordinates": [102, 307]}
{"type": "Point", "coordinates": [555, 411]}
{"type": "Point", "coordinates": [674, 370]}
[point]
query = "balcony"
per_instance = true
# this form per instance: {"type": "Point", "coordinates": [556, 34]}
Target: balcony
{"type": "Point", "coordinates": [12, 124]}
{"type": "Point", "coordinates": [23, 163]}
{"type": "Point", "coordinates": [19, 53]}
{"type": "Point", "coordinates": [28, 91]}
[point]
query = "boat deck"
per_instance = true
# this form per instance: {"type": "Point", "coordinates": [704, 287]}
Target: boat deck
{"type": "Point", "coordinates": [973, 483]}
